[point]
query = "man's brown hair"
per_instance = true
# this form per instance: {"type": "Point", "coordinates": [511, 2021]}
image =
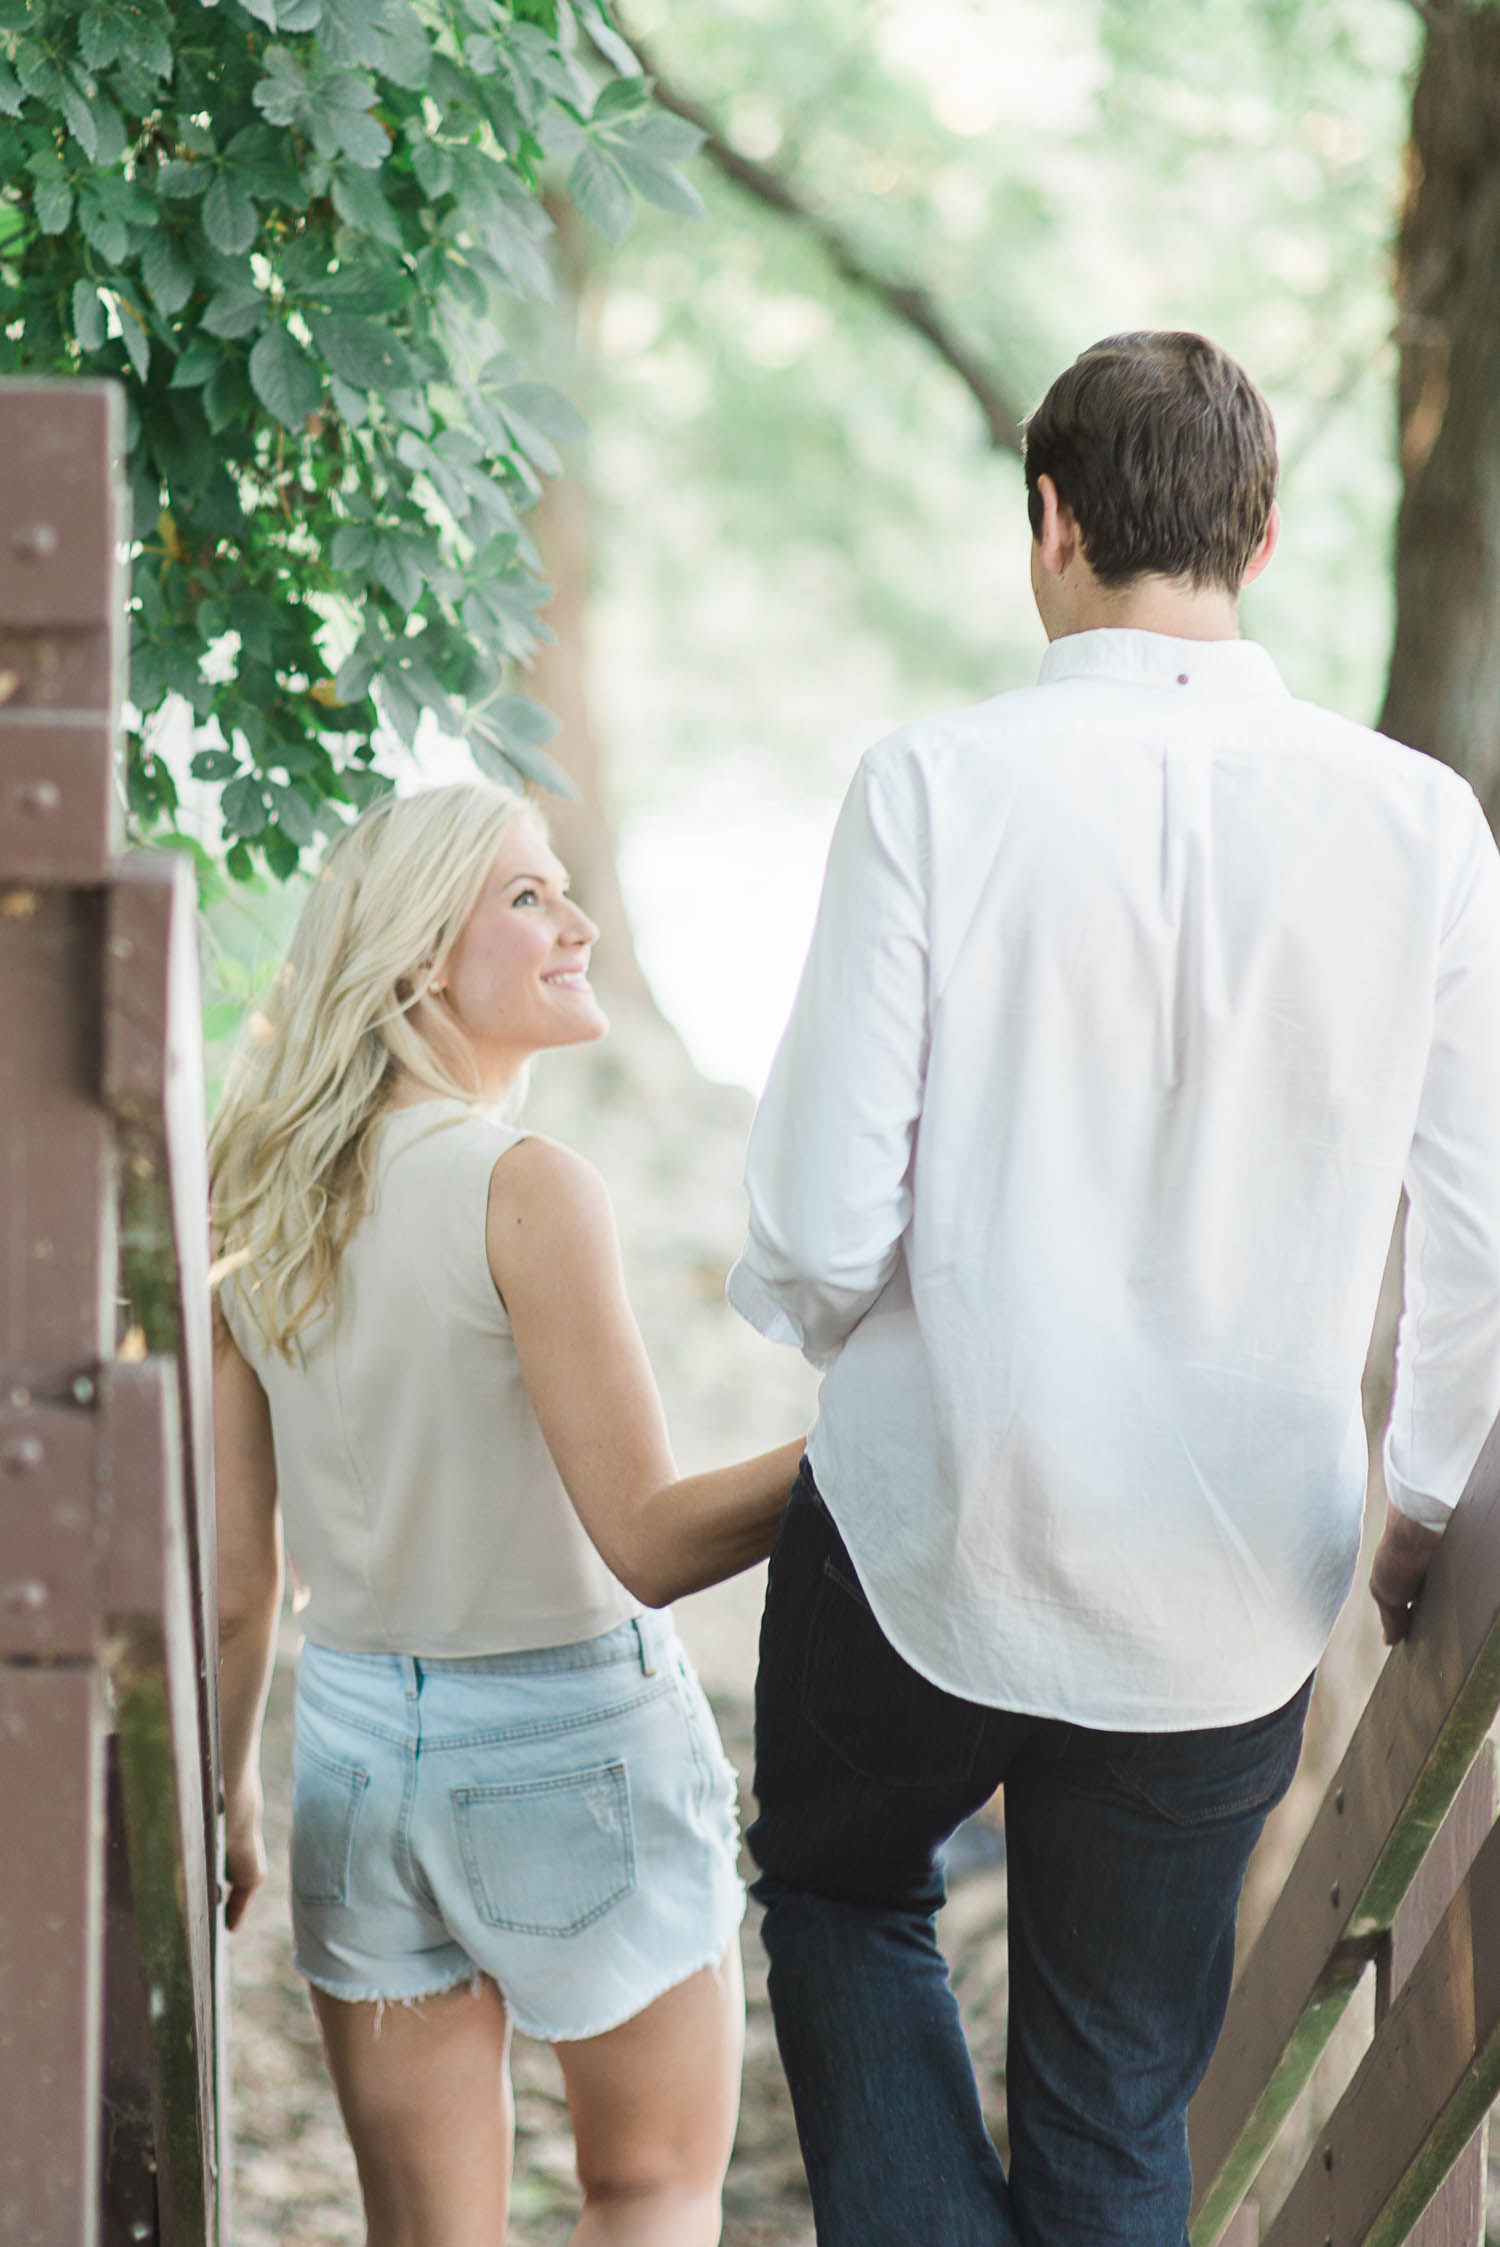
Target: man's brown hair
{"type": "Point", "coordinates": [1166, 453]}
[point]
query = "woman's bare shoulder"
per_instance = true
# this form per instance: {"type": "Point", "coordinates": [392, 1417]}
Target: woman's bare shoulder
{"type": "Point", "coordinates": [545, 1197]}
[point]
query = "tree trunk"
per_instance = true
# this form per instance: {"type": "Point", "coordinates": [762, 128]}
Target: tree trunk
{"type": "Point", "coordinates": [581, 831]}
{"type": "Point", "coordinates": [1444, 689]}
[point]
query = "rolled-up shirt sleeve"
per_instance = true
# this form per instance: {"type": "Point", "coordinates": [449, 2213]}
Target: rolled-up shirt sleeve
{"type": "Point", "coordinates": [1447, 1391]}
{"type": "Point", "coordinates": [828, 1171]}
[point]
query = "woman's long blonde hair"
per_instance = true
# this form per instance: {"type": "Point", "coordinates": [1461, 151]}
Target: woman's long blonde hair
{"type": "Point", "coordinates": [290, 1151]}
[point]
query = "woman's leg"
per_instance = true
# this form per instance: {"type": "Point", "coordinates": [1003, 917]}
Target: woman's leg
{"type": "Point", "coordinates": [654, 2105]}
{"type": "Point", "coordinates": [426, 2099]}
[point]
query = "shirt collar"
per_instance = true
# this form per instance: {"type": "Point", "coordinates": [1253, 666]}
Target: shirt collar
{"type": "Point", "coordinates": [1151, 659]}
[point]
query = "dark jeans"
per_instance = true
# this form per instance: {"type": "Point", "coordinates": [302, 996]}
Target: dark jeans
{"type": "Point", "coordinates": [1126, 1854]}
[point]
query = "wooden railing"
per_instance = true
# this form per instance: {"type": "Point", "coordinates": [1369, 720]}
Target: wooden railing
{"type": "Point", "coordinates": [111, 2081]}
{"type": "Point", "coordinates": [1399, 1876]}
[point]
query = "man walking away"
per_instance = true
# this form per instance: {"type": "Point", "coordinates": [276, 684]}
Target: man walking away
{"type": "Point", "coordinates": [1134, 1000]}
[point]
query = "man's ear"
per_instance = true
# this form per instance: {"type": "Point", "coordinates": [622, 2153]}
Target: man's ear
{"type": "Point", "coordinates": [1265, 549]}
{"type": "Point", "coordinates": [1057, 542]}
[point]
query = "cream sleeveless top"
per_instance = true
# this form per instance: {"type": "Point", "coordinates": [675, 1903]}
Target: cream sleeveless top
{"type": "Point", "coordinates": [422, 1511]}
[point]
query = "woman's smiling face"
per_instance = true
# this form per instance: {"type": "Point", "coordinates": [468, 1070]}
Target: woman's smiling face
{"type": "Point", "coordinates": [515, 980]}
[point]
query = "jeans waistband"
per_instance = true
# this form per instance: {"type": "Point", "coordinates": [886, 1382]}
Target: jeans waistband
{"type": "Point", "coordinates": [645, 1641]}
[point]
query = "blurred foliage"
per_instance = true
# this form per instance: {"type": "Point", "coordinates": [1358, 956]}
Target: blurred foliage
{"type": "Point", "coordinates": [802, 532]}
{"type": "Point", "coordinates": [285, 226]}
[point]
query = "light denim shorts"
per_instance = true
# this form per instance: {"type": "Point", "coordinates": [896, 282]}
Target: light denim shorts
{"type": "Point", "coordinates": [563, 1820]}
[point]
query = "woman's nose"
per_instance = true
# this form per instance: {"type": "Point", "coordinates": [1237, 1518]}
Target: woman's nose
{"type": "Point", "coordinates": [583, 930]}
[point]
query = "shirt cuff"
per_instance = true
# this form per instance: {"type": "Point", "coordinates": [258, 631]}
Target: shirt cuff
{"type": "Point", "coordinates": [748, 1294]}
{"type": "Point", "coordinates": [1417, 1505]}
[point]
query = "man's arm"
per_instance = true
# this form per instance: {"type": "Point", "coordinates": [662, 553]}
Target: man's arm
{"type": "Point", "coordinates": [828, 1172]}
{"type": "Point", "coordinates": [1447, 1391]}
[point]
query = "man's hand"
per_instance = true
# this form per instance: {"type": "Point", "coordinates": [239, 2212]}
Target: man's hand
{"type": "Point", "coordinates": [1402, 1559]}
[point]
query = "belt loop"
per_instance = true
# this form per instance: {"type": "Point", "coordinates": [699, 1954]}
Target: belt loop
{"type": "Point", "coordinates": [647, 1666]}
{"type": "Point", "coordinates": [411, 1677]}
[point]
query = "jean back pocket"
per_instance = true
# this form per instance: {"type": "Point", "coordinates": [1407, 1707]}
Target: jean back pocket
{"type": "Point", "coordinates": [326, 1796]}
{"type": "Point", "coordinates": [548, 1856]}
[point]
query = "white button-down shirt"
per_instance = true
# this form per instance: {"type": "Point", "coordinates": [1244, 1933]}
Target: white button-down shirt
{"type": "Point", "coordinates": [1134, 999]}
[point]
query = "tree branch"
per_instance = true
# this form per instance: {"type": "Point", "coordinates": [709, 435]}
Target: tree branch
{"type": "Point", "coordinates": [906, 300]}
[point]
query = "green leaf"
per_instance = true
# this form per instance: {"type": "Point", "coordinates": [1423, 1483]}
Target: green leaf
{"type": "Point", "coordinates": [349, 404]}
{"type": "Point", "coordinates": [230, 219]}
{"type": "Point", "coordinates": [548, 409]}
{"type": "Point", "coordinates": [362, 352]}
{"type": "Point", "coordinates": [433, 166]}
{"type": "Point", "coordinates": [284, 378]}
{"type": "Point", "coordinates": [282, 854]}
{"type": "Point", "coordinates": [282, 92]}
{"type": "Point", "coordinates": [233, 313]}
{"type": "Point", "coordinates": [178, 181]}
{"type": "Point", "coordinates": [407, 56]}
{"type": "Point", "coordinates": [533, 444]}
{"type": "Point", "coordinates": [11, 96]}
{"type": "Point", "coordinates": [352, 546]}
{"type": "Point", "coordinates": [521, 720]}
{"type": "Point", "coordinates": [355, 674]}
{"type": "Point", "coordinates": [598, 188]}
{"type": "Point", "coordinates": [226, 394]}
{"type": "Point", "coordinates": [293, 813]}
{"type": "Point", "coordinates": [102, 230]}
{"type": "Point", "coordinates": [88, 316]}
{"type": "Point", "coordinates": [79, 118]}
{"type": "Point", "coordinates": [243, 805]}
{"type": "Point", "coordinates": [214, 764]}
{"type": "Point", "coordinates": [394, 565]}
{"type": "Point", "coordinates": [167, 274]}
{"type": "Point", "coordinates": [514, 762]}
{"type": "Point", "coordinates": [360, 203]}
{"type": "Point", "coordinates": [54, 205]}
{"type": "Point", "coordinates": [621, 97]}
{"type": "Point", "coordinates": [657, 182]}
{"type": "Point", "coordinates": [669, 138]}
{"type": "Point", "coordinates": [195, 365]}
{"type": "Point", "coordinates": [133, 335]}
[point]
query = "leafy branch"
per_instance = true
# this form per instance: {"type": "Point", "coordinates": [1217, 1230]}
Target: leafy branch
{"type": "Point", "coordinates": [904, 298]}
{"type": "Point", "coordinates": [295, 230]}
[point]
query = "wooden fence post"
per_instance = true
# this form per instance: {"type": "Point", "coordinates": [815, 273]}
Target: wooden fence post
{"type": "Point", "coordinates": [109, 1840]}
{"type": "Point", "coordinates": [61, 632]}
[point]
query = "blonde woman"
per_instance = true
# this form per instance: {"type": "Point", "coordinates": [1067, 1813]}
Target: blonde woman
{"type": "Point", "coordinates": [509, 1800]}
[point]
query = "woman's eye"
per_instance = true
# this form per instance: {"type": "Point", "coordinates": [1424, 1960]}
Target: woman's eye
{"type": "Point", "coordinates": [524, 897]}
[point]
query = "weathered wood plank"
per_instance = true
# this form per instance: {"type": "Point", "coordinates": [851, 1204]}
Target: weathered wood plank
{"type": "Point", "coordinates": [152, 1656]}
{"type": "Point", "coordinates": [61, 630]}
{"type": "Point", "coordinates": [1421, 1729]}
{"type": "Point", "coordinates": [57, 1223]}
{"type": "Point", "coordinates": [52, 1772]}
{"type": "Point", "coordinates": [48, 1469]}
{"type": "Point", "coordinates": [1454, 2217]}
{"type": "Point", "coordinates": [1421, 2090]}
{"type": "Point", "coordinates": [127, 2188]}
{"type": "Point", "coordinates": [64, 445]}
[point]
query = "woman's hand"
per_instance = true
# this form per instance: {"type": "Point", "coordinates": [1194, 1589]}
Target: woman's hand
{"type": "Point", "coordinates": [244, 1857]}
{"type": "Point", "coordinates": [1399, 1570]}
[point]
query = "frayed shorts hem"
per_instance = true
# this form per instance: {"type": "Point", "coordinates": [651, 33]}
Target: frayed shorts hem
{"type": "Point", "coordinates": [471, 1975]}
{"type": "Point", "coordinates": [638, 2005]}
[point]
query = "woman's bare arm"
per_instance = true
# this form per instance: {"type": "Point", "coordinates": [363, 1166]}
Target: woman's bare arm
{"type": "Point", "coordinates": [249, 1531]}
{"type": "Point", "coordinates": [555, 1258]}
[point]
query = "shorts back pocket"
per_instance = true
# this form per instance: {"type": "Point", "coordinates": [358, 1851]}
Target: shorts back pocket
{"type": "Point", "coordinates": [325, 1808]}
{"type": "Point", "coordinates": [548, 1856]}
